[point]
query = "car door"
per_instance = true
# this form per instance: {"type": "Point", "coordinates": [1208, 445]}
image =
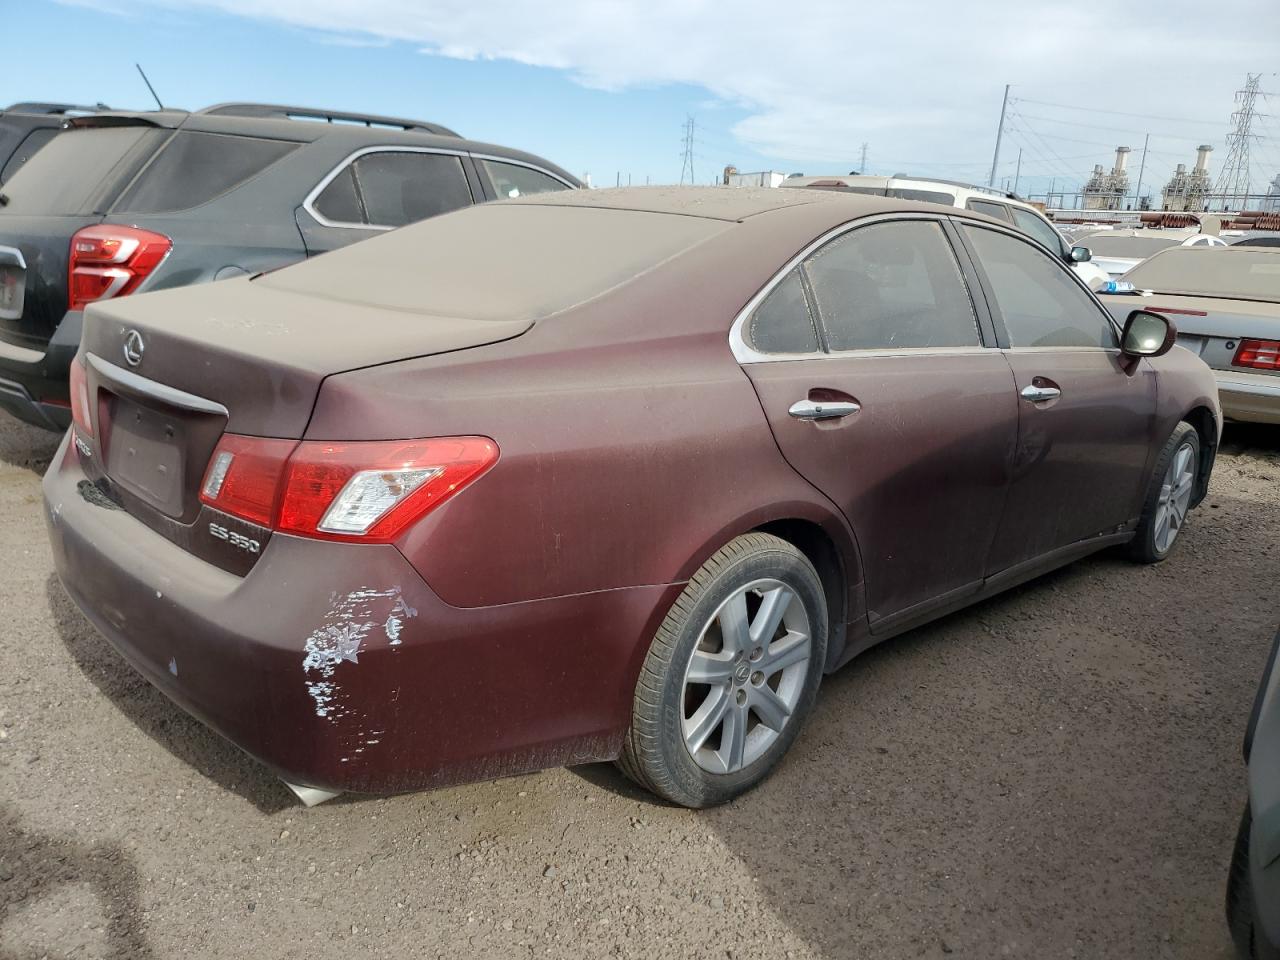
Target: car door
{"type": "Point", "coordinates": [1085, 412]}
{"type": "Point", "coordinates": [381, 188]}
{"type": "Point", "coordinates": [870, 363]}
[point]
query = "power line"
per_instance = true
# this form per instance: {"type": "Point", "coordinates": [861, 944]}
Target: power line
{"type": "Point", "coordinates": [1118, 113]}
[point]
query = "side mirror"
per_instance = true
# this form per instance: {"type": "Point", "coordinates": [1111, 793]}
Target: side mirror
{"type": "Point", "coordinates": [1081, 254]}
{"type": "Point", "coordinates": [1147, 334]}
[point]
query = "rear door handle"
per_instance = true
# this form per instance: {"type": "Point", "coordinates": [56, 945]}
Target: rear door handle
{"type": "Point", "coordinates": [823, 409]}
{"type": "Point", "coordinates": [1039, 394]}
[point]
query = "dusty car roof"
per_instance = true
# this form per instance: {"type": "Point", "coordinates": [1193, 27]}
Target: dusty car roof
{"type": "Point", "coordinates": [1234, 273]}
{"type": "Point", "coordinates": [712, 203]}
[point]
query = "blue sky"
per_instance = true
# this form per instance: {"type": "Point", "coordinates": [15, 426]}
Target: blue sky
{"type": "Point", "coordinates": [604, 86]}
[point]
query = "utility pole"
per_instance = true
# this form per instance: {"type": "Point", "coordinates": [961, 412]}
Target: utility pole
{"type": "Point", "coordinates": [1018, 174]}
{"type": "Point", "coordinates": [687, 165]}
{"type": "Point", "coordinates": [1048, 200]}
{"type": "Point", "coordinates": [862, 166]}
{"type": "Point", "coordinates": [995, 158]}
{"type": "Point", "coordinates": [1137, 192]}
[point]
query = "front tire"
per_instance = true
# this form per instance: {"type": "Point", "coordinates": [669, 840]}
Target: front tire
{"type": "Point", "coordinates": [1168, 500]}
{"type": "Point", "coordinates": [730, 676]}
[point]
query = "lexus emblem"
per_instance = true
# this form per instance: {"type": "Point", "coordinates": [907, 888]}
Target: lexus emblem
{"type": "Point", "coordinates": [133, 348]}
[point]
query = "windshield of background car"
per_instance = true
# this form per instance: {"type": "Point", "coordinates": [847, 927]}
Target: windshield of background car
{"type": "Point", "coordinates": [1106, 245]}
{"type": "Point", "coordinates": [81, 171]}
{"type": "Point", "coordinates": [1233, 273]}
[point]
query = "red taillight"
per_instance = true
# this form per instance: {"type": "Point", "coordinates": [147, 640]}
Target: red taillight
{"type": "Point", "coordinates": [111, 261]}
{"type": "Point", "coordinates": [1260, 354]}
{"type": "Point", "coordinates": [367, 491]}
{"type": "Point", "coordinates": [80, 398]}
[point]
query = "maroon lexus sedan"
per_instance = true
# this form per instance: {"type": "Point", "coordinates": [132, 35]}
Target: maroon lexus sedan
{"type": "Point", "coordinates": [600, 475]}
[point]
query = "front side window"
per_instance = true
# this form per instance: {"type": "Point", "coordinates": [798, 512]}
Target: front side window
{"type": "Point", "coordinates": [893, 285]}
{"type": "Point", "coordinates": [514, 180]}
{"type": "Point", "coordinates": [782, 323]}
{"type": "Point", "coordinates": [390, 189]}
{"type": "Point", "coordinates": [1040, 302]}
{"type": "Point", "coordinates": [1037, 228]}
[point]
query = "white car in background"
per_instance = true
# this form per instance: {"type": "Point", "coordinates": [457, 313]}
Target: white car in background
{"type": "Point", "coordinates": [1119, 251]}
{"type": "Point", "coordinates": [994, 203]}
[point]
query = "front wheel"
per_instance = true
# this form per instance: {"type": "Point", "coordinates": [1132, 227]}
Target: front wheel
{"type": "Point", "coordinates": [1168, 500]}
{"type": "Point", "coordinates": [731, 674]}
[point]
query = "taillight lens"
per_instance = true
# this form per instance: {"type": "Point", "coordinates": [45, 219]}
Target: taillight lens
{"type": "Point", "coordinates": [1260, 354]}
{"type": "Point", "coordinates": [111, 261]}
{"type": "Point", "coordinates": [366, 491]}
{"type": "Point", "coordinates": [79, 384]}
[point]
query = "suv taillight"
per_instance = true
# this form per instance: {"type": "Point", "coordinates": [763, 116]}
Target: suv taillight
{"type": "Point", "coordinates": [110, 261]}
{"type": "Point", "coordinates": [1259, 354]}
{"type": "Point", "coordinates": [80, 398]}
{"type": "Point", "coordinates": [366, 491]}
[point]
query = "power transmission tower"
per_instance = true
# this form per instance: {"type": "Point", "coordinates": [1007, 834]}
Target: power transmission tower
{"type": "Point", "coordinates": [1233, 181]}
{"type": "Point", "coordinates": [687, 165]}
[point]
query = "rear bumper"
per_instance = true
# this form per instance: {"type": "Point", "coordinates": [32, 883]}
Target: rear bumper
{"type": "Point", "coordinates": [33, 383]}
{"type": "Point", "coordinates": [1249, 396]}
{"type": "Point", "coordinates": [338, 667]}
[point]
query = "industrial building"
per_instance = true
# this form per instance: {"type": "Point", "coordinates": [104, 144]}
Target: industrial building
{"type": "Point", "coordinates": [1106, 191]}
{"type": "Point", "coordinates": [1190, 191]}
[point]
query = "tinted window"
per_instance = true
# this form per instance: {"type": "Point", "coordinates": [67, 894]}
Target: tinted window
{"type": "Point", "coordinates": [1042, 305]}
{"type": "Point", "coordinates": [35, 140]}
{"type": "Point", "coordinates": [781, 324]}
{"type": "Point", "coordinates": [892, 285]}
{"type": "Point", "coordinates": [1038, 229]}
{"type": "Point", "coordinates": [194, 168]}
{"type": "Point", "coordinates": [400, 188]}
{"type": "Point", "coordinates": [80, 171]}
{"type": "Point", "coordinates": [928, 196]}
{"type": "Point", "coordinates": [339, 201]}
{"type": "Point", "coordinates": [997, 210]}
{"type": "Point", "coordinates": [513, 180]}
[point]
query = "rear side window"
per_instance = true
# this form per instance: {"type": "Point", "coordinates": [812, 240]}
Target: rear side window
{"type": "Point", "coordinates": [513, 180]}
{"type": "Point", "coordinates": [892, 286]}
{"type": "Point", "coordinates": [1039, 301]}
{"type": "Point", "coordinates": [35, 140]}
{"type": "Point", "coordinates": [997, 210]}
{"type": "Point", "coordinates": [80, 171]}
{"type": "Point", "coordinates": [927, 196]}
{"type": "Point", "coordinates": [1037, 229]}
{"type": "Point", "coordinates": [194, 168]}
{"type": "Point", "coordinates": [782, 324]}
{"type": "Point", "coordinates": [390, 189]}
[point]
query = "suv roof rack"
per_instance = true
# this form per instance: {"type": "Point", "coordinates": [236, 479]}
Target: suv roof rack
{"type": "Point", "coordinates": [53, 109]}
{"type": "Point", "coordinates": [981, 188]}
{"type": "Point", "coordinates": [284, 112]}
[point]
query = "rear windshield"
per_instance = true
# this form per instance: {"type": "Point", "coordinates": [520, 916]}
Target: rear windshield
{"type": "Point", "coordinates": [927, 196]}
{"type": "Point", "coordinates": [81, 171]}
{"type": "Point", "coordinates": [1233, 273]}
{"type": "Point", "coordinates": [1102, 245]}
{"type": "Point", "coordinates": [194, 168]}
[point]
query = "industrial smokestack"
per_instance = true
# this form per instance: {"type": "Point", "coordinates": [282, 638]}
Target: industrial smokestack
{"type": "Point", "coordinates": [1122, 157]}
{"type": "Point", "coordinates": [1202, 157]}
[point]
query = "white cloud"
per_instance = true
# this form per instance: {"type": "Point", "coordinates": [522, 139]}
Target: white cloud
{"type": "Point", "coordinates": [918, 79]}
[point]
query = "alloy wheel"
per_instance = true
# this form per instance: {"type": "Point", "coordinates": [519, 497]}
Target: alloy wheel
{"type": "Point", "coordinates": [1175, 497]}
{"type": "Point", "coordinates": [745, 676]}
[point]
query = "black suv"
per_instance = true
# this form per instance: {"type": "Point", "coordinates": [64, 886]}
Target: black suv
{"type": "Point", "coordinates": [26, 127]}
{"type": "Point", "coordinates": [127, 202]}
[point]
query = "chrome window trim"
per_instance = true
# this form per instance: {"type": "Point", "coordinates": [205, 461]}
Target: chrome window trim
{"type": "Point", "coordinates": [308, 204]}
{"type": "Point", "coordinates": [743, 352]}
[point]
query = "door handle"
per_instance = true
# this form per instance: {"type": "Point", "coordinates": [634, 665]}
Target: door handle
{"type": "Point", "coordinates": [823, 409]}
{"type": "Point", "coordinates": [1039, 394]}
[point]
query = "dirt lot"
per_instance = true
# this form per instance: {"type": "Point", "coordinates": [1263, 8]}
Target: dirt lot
{"type": "Point", "coordinates": [1054, 773]}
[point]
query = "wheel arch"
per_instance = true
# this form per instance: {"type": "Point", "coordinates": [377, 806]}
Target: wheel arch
{"type": "Point", "coordinates": [1207, 426]}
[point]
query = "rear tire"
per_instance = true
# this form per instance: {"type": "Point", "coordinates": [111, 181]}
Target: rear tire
{"type": "Point", "coordinates": [731, 675]}
{"type": "Point", "coordinates": [1168, 500]}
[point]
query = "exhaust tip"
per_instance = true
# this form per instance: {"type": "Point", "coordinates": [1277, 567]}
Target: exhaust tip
{"type": "Point", "coordinates": [311, 796]}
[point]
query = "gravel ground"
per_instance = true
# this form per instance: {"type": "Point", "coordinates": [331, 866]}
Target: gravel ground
{"type": "Point", "coordinates": [1053, 773]}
